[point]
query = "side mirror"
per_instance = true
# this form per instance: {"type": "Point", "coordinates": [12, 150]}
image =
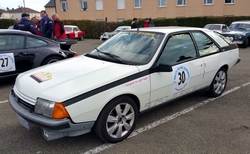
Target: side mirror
{"type": "Point", "coordinates": [164, 68]}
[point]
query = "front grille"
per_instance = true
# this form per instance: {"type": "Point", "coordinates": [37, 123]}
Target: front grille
{"type": "Point", "coordinates": [24, 104]}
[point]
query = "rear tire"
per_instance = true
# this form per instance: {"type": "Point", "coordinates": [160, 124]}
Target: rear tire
{"type": "Point", "coordinates": [219, 83]}
{"type": "Point", "coordinates": [52, 59]}
{"type": "Point", "coordinates": [67, 36]}
{"type": "Point", "coordinates": [117, 120]}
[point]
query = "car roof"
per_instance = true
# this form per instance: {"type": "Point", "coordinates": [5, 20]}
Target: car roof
{"type": "Point", "coordinates": [215, 24]}
{"type": "Point", "coordinates": [243, 21]}
{"type": "Point", "coordinates": [14, 31]}
{"type": "Point", "coordinates": [169, 29]}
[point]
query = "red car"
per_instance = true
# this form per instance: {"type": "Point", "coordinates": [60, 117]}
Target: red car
{"type": "Point", "coordinates": [73, 32]}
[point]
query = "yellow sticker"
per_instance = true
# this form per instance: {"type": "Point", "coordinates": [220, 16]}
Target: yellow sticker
{"type": "Point", "coordinates": [42, 76]}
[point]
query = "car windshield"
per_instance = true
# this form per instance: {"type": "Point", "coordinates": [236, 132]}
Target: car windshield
{"type": "Point", "coordinates": [68, 28]}
{"type": "Point", "coordinates": [213, 27]}
{"type": "Point", "coordinates": [244, 26]}
{"type": "Point", "coordinates": [130, 47]}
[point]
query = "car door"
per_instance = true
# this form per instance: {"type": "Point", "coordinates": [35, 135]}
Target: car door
{"type": "Point", "coordinates": [209, 52]}
{"type": "Point", "coordinates": [13, 56]}
{"type": "Point", "coordinates": [179, 52]}
{"type": "Point", "coordinates": [37, 49]}
{"type": "Point", "coordinates": [76, 32]}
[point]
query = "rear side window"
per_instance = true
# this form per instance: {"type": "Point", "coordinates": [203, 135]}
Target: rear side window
{"type": "Point", "coordinates": [33, 42]}
{"type": "Point", "coordinates": [179, 48]}
{"type": "Point", "coordinates": [11, 42]}
{"type": "Point", "coordinates": [205, 45]}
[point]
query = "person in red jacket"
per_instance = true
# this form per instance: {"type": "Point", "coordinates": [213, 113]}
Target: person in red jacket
{"type": "Point", "coordinates": [146, 23]}
{"type": "Point", "coordinates": [57, 27]}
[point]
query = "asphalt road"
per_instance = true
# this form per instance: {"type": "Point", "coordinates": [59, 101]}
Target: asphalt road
{"type": "Point", "coordinates": [194, 124]}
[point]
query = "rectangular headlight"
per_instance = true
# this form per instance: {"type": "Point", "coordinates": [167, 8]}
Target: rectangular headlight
{"type": "Point", "coordinates": [44, 107]}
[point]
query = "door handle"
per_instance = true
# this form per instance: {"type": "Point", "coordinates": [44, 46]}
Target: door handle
{"type": "Point", "coordinates": [21, 54]}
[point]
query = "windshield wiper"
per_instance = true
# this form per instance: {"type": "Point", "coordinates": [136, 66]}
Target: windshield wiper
{"type": "Point", "coordinates": [110, 55]}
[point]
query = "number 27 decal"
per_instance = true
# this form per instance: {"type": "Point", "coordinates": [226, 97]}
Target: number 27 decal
{"type": "Point", "coordinates": [7, 62]}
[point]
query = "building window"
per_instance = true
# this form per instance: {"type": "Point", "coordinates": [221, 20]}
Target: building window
{"type": "Point", "coordinates": [229, 1]}
{"type": "Point", "coordinates": [181, 2]}
{"type": "Point", "coordinates": [162, 3]}
{"type": "Point", "coordinates": [137, 3]}
{"type": "Point", "coordinates": [120, 20]}
{"type": "Point", "coordinates": [64, 5]}
{"type": "Point", "coordinates": [120, 4]}
{"type": "Point", "coordinates": [99, 4]}
{"type": "Point", "coordinates": [208, 2]}
{"type": "Point", "coordinates": [84, 4]}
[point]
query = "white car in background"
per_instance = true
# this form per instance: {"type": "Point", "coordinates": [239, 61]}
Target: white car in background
{"type": "Point", "coordinates": [217, 27]}
{"type": "Point", "coordinates": [107, 35]}
{"type": "Point", "coordinates": [135, 70]}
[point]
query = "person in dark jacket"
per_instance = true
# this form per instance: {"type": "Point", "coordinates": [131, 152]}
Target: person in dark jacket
{"type": "Point", "coordinates": [134, 23]}
{"type": "Point", "coordinates": [25, 24]}
{"type": "Point", "coordinates": [16, 23]}
{"type": "Point", "coordinates": [58, 27]}
{"type": "Point", "coordinates": [46, 25]}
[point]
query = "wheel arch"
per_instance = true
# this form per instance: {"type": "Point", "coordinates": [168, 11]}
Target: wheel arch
{"type": "Point", "coordinates": [49, 56]}
{"type": "Point", "coordinates": [132, 96]}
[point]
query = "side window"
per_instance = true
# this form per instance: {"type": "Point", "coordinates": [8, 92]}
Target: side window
{"type": "Point", "coordinates": [205, 45]}
{"type": "Point", "coordinates": [33, 42]}
{"type": "Point", "coordinates": [179, 47]}
{"type": "Point", "coordinates": [11, 42]}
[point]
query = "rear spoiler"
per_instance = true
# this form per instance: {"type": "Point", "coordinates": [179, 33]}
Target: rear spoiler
{"type": "Point", "coordinates": [66, 43]}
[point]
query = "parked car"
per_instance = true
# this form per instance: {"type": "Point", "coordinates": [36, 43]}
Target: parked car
{"type": "Point", "coordinates": [217, 27]}
{"type": "Point", "coordinates": [73, 32]}
{"type": "Point", "coordinates": [21, 51]}
{"type": "Point", "coordinates": [239, 32]}
{"type": "Point", "coordinates": [107, 35]}
{"type": "Point", "coordinates": [135, 70]}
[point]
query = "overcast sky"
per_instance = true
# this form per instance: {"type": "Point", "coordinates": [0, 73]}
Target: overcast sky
{"type": "Point", "coordinates": [37, 5]}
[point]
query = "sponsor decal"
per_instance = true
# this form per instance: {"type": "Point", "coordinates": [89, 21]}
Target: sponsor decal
{"type": "Point", "coordinates": [137, 81]}
{"type": "Point", "coordinates": [181, 78]}
{"type": "Point", "coordinates": [41, 76]}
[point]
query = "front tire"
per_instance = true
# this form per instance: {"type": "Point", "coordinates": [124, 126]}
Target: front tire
{"type": "Point", "coordinates": [117, 120]}
{"type": "Point", "coordinates": [245, 43]}
{"type": "Point", "coordinates": [219, 83]}
{"type": "Point", "coordinates": [81, 38]}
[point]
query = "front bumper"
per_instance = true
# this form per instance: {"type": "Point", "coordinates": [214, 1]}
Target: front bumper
{"type": "Point", "coordinates": [52, 128]}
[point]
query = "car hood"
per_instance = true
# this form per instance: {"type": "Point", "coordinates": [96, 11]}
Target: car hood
{"type": "Point", "coordinates": [234, 32]}
{"type": "Point", "coordinates": [65, 79]}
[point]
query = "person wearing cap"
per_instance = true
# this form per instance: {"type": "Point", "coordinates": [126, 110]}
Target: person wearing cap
{"type": "Point", "coordinates": [134, 23]}
{"type": "Point", "coordinates": [146, 23]}
{"type": "Point", "coordinates": [151, 23]}
{"type": "Point", "coordinates": [25, 24]}
{"type": "Point", "coordinates": [46, 25]}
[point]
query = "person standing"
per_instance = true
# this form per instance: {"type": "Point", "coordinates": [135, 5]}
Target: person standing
{"type": "Point", "coordinates": [25, 24]}
{"type": "Point", "coordinates": [45, 25]}
{"type": "Point", "coordinates": [134, 23]}
{"type": "Point", "coordinates": [151, 23]}
{"type": "Point", "coordinates": [36, 23]}
{"type": "Point", "coordinates": [146, 23]}
{"type": "Point", "coordinates": [58, 27]}
{"type": "Point", "coordinates": [16, 23]}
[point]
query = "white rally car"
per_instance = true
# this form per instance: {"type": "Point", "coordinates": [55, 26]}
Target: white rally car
{"type": "Point", "coordinates": [135, 70]}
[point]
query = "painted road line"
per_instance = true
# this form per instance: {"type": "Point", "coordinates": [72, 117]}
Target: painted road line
{"type": "Point", "coordinates": [164, 120]}
{"type": "Point", "coordinates": [5, 101]}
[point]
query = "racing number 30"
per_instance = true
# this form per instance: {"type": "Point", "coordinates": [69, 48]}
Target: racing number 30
{"type": "Point", "coordinates": [182, 77]}
{"type": "Point", "coordinates": [4, 62]}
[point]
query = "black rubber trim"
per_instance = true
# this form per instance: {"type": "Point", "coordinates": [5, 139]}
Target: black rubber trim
{"type": "Point", "coordinates": [104, 88]}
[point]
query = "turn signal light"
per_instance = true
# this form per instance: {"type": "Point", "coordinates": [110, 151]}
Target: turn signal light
{"type": "Point", "coordinates": [59, 111]}
{"type": "Point", "coordinates": [75, 55]}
